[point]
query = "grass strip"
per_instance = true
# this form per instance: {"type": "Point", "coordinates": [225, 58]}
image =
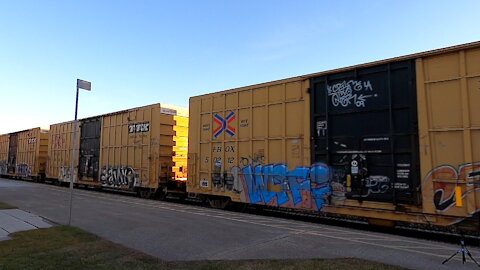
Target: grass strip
{"type": "Point", "coordinates": [64, 247]}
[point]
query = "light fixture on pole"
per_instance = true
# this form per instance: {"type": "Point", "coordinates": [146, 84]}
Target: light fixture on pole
{"type": "Point", "coordinates": [81, 84]}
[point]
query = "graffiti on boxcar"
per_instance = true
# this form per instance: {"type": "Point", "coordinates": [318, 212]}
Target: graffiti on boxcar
{"type": "Point", "coordinates": [58, 141]}
{"type": "Point", "coordinates": [64, 174]}
{"type": "Point", "coordinates": [350, 92]}
{"type": "Point", "coordinates": [3, 167]}
{"type": "Point", "coordinates": [337, 183]}
{"type": "Point", "coordinates": [444, 191]}
{"type": "Point", "coordinates": [302, 187]}
{"type": "Point", "coordinates": [119, 176]}
{"type": "Point", "coordinates": [217, 172]}
{"type": "Point", "coordinates": [377, 184]}
{"type": "Point", "coordinates": [23, 169]}
{"type": "Point", "coordinates": [256, 159]}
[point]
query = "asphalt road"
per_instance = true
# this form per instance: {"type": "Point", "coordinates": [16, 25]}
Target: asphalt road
{"type": "Point", "coordinates": [176, 232]}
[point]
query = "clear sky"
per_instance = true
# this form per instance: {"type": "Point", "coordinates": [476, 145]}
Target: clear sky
{"type": "Point", "coordinates": [142, 52]}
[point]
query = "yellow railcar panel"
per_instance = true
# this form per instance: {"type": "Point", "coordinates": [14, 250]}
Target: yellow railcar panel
{"type": "Point", "coordinates": [206, 105]}
{"type": "Point", "coordinates": [449, 129]}
{"type": "Point", "coordinates": [245, 99]}
{"type": "Point", "coordinates": [275, 127]}
{"type": "Point", "coordinates": [231, 100]}
{"type": "Point", "coordinates": [205, 157]}
{"type": "Point", "coordinates": [473, 62]}
{"type": "Point", "coordinates": [276, 93]}
{"type": "Point", "coordinates": [206, 124]}
{"type": "Point", "coordinates": [293, 91]}
{"type": "Point", "coordinates": [137, 146]}
{"type": "Point", "coordinates": [259, 96]}
{"type": "Point", "coordinates": [251, 128]}
{"type": "Point", "coordinates": [275, 152]}
{"type": "Point", "coordinates": [218, 102]}
{"type": "Point", "coordinates": [448, 147]}
{"type": "Point", "coordinates": [259, 122]}
{"type": "Point", "coordinates": [295, 122]}
{"type": "Point", "coordinates": [294, 147]}
{"type": "Point", "coordinates": [473, 97]}
{"type": "Point", "coordinates": [4, 142]}
{"type": "Point", "coordinates": [476, 144]}
{"type": "Point", "coordinates": [60, 151]}
{"type": "Point", "coordinates": [445, 104]}
{"type": "Point", "coordinates": [442, 67]}
{"type": "Point", "coordinates": [244, 128]}
{"type": "Point", "coordinates": [31, 153]}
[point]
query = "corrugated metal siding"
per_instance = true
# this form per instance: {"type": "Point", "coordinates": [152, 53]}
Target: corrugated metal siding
{"type": "Point", "coordinates": [364, 125]}
{"type": "Point", "coordinates": [30, 161]}
{"type": "Point", "coordinates": [60, 151]}
{"type": "Point", "coordinates": [234, 132]}
{"type": "Point", "coordinates": [136, 148]}
{"type": "Point", "coordinates": [449, 118]}
{"type": "Point", "coordinates": [181, 147]}
{"type": "Point", "coordinates": [4, 140]}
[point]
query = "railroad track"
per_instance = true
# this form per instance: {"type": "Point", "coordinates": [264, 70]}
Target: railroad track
{"type": "Point", "coordinates": [402, 229]}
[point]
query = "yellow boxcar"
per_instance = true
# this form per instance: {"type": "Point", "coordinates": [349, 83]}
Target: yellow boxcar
{"type": "Point", "coordinates": [136, 148]}
{"type": "Point", "coordinates": [27, 153]}
{"type": "Point", "coordinates": [4, 153]}
{"type": "Point", "coordinates": [393, 140]}
{"type": "Point", "coordinates": [236, 131]}
{"type": "Point", "coordinates": [448, 86]}
{"type": "Point", "coordinates": [60, 152]}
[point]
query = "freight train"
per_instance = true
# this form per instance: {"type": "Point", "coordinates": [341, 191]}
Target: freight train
{"type": "Point", "coordinates": [142, 150]}
{"type": "Point", "coordinates": [392, 141]}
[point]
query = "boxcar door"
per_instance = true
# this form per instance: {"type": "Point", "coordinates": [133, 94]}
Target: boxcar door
{"type": "Point", "coordinates": [12, 153]}
{"type": "Point", "coordinates": [89, 158]}
{"type": "Point", "coordinates": [364, 126]}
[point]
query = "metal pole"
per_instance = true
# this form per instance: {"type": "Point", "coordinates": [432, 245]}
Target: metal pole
{"type": "Point", "coordinates": [72, 159]}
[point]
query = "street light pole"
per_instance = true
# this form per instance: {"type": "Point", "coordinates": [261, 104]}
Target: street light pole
{"type": "Point", "coordinates": [73, 158]}
{"type": "Point", "coordinates": [86, 86]}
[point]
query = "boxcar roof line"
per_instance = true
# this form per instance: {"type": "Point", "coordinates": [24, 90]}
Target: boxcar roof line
{"type": "Point", "coordinates": [379, 62]}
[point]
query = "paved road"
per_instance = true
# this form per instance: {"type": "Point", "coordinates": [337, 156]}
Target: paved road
{"type": "Point", "coordinates": [174, 232]}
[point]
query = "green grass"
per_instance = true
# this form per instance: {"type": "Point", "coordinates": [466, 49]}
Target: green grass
{"type": "Point", "coordinates": [71, 248]}
{"type": "Point", "coordinates": [6, 206]}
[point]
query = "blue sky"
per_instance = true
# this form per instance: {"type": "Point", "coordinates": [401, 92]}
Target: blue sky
{"type": "Point", "coordinates": [143, 52]}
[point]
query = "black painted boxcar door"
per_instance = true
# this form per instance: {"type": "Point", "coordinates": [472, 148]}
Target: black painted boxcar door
{"type": "Point", "coordinates": [12, 153]}
{"type": "Point", "coordinates": [364, 125]}
{"type": "Point", "coordinates": [89, 155]}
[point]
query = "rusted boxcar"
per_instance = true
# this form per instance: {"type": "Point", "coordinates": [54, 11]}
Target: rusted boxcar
{"type": "Point", "coordinates": [394, 140]}
{"type": "Point", "coordinates": [26, 153]}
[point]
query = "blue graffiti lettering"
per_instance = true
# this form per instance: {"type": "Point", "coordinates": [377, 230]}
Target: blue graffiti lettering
{"type": "Point", "coordinates": [265, 183]}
